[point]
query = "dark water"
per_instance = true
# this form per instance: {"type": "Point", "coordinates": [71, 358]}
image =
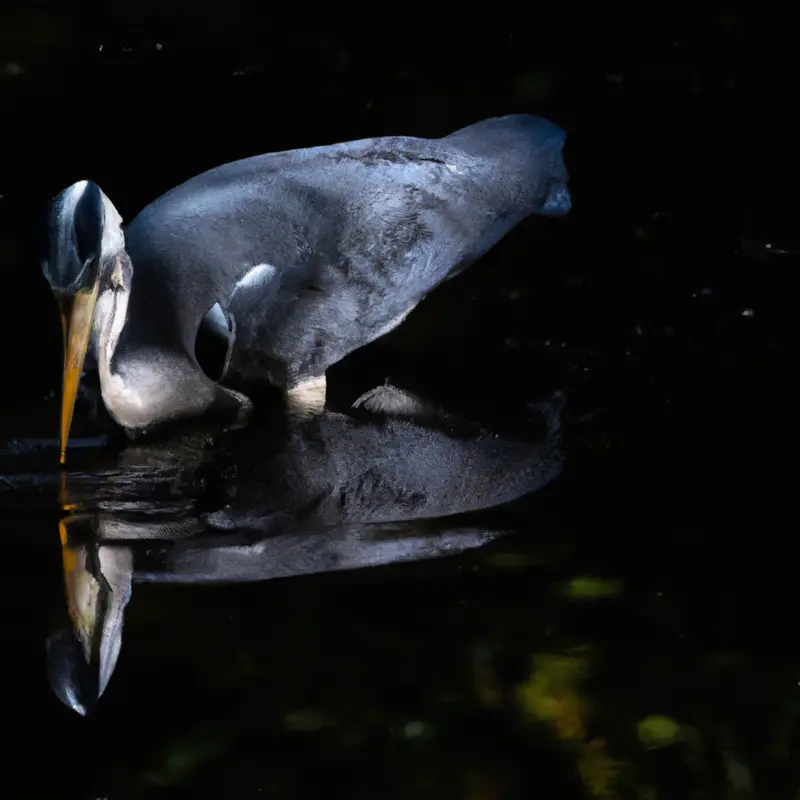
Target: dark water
{"type": "Point", "coordinates": [632, 631]}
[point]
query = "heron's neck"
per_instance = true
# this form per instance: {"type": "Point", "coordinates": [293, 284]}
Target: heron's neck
{"type": "Point", "coordinates": [110, 316]}
{"type": "Point", "coordinates": [148, 385]}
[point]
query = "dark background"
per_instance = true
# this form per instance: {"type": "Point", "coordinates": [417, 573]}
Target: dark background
{"type": "Point", "coordinates": [662, 304]}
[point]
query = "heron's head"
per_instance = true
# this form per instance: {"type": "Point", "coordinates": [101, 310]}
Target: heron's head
{"type": "Point", "coordinates": [86, 256]}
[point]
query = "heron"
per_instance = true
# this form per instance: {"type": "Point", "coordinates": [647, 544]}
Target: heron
{"type": "Point", "coordinates": [289, 261]}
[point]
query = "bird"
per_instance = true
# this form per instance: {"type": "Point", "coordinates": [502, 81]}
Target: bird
{"type": "Point", "coordinates": [289, 261]}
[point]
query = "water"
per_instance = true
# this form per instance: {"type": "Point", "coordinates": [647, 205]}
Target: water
{"type": "Point", "coordinates": [611, 640]}
{"type": "Point", "coordinates": [629, 630]}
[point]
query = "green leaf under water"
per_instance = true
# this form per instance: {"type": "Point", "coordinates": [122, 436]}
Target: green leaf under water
{"type": "Point", "coordinates": [587, 588]}
{"type": "Point", "coordinates": [658, 730]}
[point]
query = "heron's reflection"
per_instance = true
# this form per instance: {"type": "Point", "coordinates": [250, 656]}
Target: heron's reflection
{"type": "Point", "coordinates": [82, 656]}
{"type": "Point", "coordinates": [379, 486]}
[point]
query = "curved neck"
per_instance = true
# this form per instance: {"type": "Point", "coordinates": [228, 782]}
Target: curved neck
{"type": "Point", "coordinates": [110, 316]}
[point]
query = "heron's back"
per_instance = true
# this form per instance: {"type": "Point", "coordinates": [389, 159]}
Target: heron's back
{"type": "Point", "coordinates": [374, 224]}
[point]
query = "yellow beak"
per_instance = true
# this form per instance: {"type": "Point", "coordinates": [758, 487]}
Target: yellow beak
{"type": "Point", "coordinates": [77, 313]}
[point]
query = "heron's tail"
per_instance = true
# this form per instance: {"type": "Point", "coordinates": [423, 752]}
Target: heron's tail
{"type": "Point", "coordinates": [522, 149]}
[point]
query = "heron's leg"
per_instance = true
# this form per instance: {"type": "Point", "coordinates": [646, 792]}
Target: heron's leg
{"type": "Point", "coordinates": [306, 398]}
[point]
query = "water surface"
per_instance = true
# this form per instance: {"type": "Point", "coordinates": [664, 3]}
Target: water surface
{"type": "Point", "coordinates": [632, 631]}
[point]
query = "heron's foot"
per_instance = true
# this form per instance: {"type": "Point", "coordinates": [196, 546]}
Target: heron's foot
{"type": "Point", "coordinates": [306, 398]}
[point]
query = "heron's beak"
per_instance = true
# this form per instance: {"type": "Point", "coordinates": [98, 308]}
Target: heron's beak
{"type": "Point", "coordinates": [77, 313]}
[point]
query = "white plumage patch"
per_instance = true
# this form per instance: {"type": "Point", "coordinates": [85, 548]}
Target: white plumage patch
{"type": "Point", "coordinates": [216, 320]}
{"type": "Point", "coordinates": [307, 398]}
{"type": "Point", "coordinates": [255, 278]}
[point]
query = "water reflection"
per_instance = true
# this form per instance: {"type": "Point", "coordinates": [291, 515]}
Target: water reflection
{"type": "Point", "coordinates": [338, 492]}
{"type": "Point", "coordinates": [81, 657]}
